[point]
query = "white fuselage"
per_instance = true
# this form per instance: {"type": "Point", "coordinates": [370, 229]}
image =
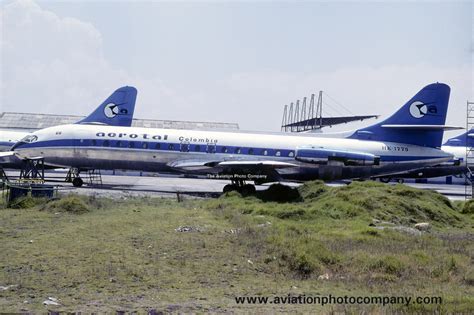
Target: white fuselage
{"type": "Point", "coordinates": [148, 149]}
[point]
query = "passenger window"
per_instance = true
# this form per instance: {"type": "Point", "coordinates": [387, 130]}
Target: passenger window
{"type": "Point", "coordinates": [265, 152]}
{"type": "Point", "coordinates": [145, 145]}
{"type": "Point", "coordinates": [238, 150]}
{"type": "Point", "coordinates": [277, 153]}
{"type": "Point", "coordinates": [106, 143]}
{"type": "Point", "coordinates": [184, 147]}
{"type": "Point", "coordinates": [291, 153]}
{"type": "Point", "coordinates": [250, 151]}
{"type": "Point", "coordinates": [224, 150]}
{"type": "Point", "coordinates": [157, 146]}
{"type": "Point", "coordinates": [131, 144]}
{"type": "Point", "coordinates": [171, 146]}
{"type": "Point", "coordinates": [197, 148]}
{"type": "Point", "coordinates": [211, 148]}
{"type": "Point", "coordinates": [118, 144]}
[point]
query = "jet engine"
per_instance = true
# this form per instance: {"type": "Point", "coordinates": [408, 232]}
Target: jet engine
{"type": "Point", "coordinates": [329, 156]}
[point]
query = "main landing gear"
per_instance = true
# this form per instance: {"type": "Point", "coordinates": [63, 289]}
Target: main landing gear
{"type": "Point", "coordinates": [388, 179]}
{"type": "Point", "coordinates": [241, 187]}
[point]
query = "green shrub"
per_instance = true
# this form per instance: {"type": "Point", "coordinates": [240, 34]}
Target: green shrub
{"type": "Point", "coordinates": [313, 190]}
{"type": "Point", "coordinates": [371, 232]}
{"type": "Point", "coordinates": [290, 214]}
{"type": "Point", "coordinates": [469, 277]}
{"type": "Point", "coordinates": [388, 264]}
{"type": "Point", "coordinates": [25, 202]}
{"type": "Point", "coordinates": [231, 194]}
{"type": "Point", "coordinates": [304, 265]}
{"type": "Point", "coordinates": [71, 203]}
{"type": "Point", "coordinates": [280, 193]}
{"type": "Point", "coordinates": [468, 207]}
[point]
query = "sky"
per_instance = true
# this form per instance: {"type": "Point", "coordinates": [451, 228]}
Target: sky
{"type": "Point", "coordinates": [234, 61]}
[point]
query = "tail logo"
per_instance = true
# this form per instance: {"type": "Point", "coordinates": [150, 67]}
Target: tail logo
{"type": "Point", "coordinates": [111, 110]}
{"type": "Point", "coordinates": [419, 109]}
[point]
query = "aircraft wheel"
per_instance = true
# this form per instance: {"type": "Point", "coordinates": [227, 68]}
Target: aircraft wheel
{"type": "Point", "coordinates": [248, 190]}
{"type": "Point", "coordinates": [229, 187]}
{"type": "Point", "coordinates": [400, 180]}
{"type": "Point", "coordinates": [77, 182]}
{"type": "Point", "coordinates": [385, 179]}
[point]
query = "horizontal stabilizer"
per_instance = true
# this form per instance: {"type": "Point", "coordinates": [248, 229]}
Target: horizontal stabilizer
{"type": "Point", "coordinates": [423, 127]}
{"type": "Point", "coordinates": [464, 140]}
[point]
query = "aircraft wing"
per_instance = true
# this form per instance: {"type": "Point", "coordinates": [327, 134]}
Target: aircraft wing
{"type": "Point", "coordinates": [227, 164]}
{"type": "Point", "coordinates": [265, 170]}
{"type": "Point", "coordinates": [9, 157]}
{"type": "Point", "coordinates": [243, 163]}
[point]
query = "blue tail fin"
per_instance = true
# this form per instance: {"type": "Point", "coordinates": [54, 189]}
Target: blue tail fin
{"type": "Point", "coordinates": [464, 140]}
{"type": "Point", "coordinates": [420, 121]}
{"type": "Point", "coordinates": [116, 110]}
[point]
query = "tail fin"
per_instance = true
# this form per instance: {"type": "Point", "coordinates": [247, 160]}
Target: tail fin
{"type": "Point", "coordinates": [464, 140]}
{"type": "Point", "coordinates": [116, 110]}
{"type": "Point", "coordinates": [420, 121]}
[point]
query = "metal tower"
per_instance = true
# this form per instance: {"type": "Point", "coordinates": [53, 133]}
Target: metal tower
{"type": "Point", "coordinates": [469, 176]}
{"type": "Point", "coordinates": [298, 118]}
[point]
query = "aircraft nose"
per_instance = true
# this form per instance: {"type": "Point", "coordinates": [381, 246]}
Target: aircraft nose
{"type": "Point", "coordinates": [16, 145]}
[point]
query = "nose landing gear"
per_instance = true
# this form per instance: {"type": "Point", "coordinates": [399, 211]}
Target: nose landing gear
{"type": "Point", "coordinates": [93, 177]}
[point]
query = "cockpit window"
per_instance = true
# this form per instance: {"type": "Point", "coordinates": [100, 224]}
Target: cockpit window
{"type": "Point", "coordinates": [29, 139]}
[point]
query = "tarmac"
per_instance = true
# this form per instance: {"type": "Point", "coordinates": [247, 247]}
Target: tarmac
{"type": "Point", "coordinates": [119, 186]}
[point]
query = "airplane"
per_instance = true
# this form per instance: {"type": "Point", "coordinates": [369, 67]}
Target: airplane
{"type": "Point", "coordinates": [407, 140]}
{"type": "Point", "coordinates": [116, 110]}
{"type": "Point", "coordinates": [9, 138]}
{"type": "Point", "coordinates": [457, 146]}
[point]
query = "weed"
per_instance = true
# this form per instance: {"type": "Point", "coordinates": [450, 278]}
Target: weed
{"type": "Point", "coordinates": [26, 202]}
{"type": "Point", "coordinates": [388, 264]}
{"type": "Point", "coordinates": [71, 204]}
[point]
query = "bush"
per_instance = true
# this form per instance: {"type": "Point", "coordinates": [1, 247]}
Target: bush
{"type": "Point", "coordinates": [231, 194]}
{"type": "Point", "coordinates": [72, 204]}
{"type": "Point", "coordinates": [279, 193]}
{"type": "Point", "coordinates": [25, 202]}
{"type": "Point", "coordinates": [312, 190]}
{"type": "Point", "coordinates": [468, 207]}
{"type": "Point", "coordinates": [388, 264]}
{"type": "Point", "coordinates": [304, 265]}
{"type": "Point", "coordinates": [371, 232]}
{"type": "Point", "coordinates": [290, 214]}
{"type": "Point", "coordinates": [469, 277]}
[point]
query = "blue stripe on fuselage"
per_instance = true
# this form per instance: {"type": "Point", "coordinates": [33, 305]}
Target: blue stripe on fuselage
{"type": "Point", "coordinates": [191, 148]}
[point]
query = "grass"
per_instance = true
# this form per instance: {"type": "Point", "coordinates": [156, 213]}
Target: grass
{"type": "Point", "coordinates": [101, 255]}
